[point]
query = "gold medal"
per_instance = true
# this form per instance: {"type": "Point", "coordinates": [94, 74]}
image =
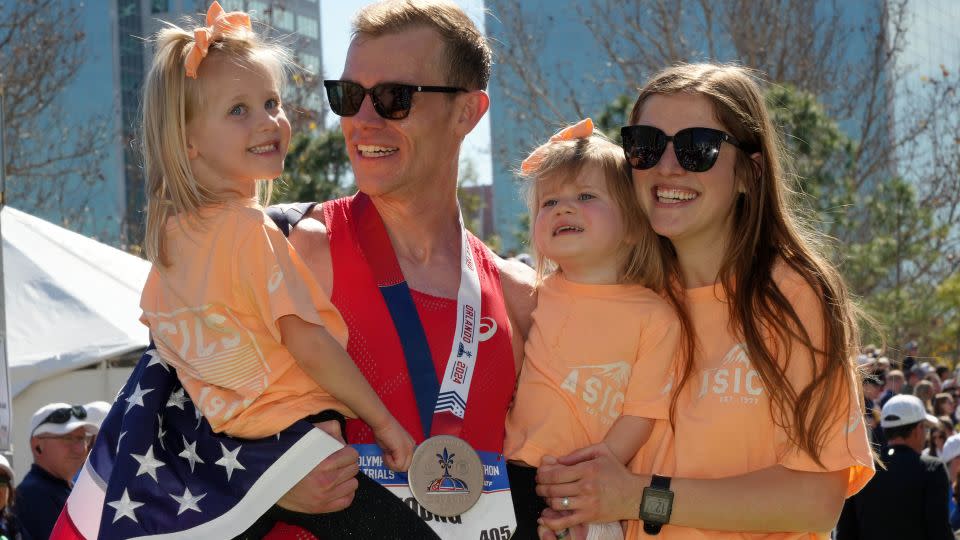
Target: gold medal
{"type": "Point", "coordinates": [446, 475]}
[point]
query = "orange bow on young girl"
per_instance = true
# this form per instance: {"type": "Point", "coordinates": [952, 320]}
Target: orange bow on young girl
{"type": "Point", "coordinates": [580, 130]}
{"type": "Point", "coordinates": [218, 22]}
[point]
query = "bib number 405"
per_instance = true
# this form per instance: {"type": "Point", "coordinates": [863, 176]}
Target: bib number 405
{"type": "Point", "coordinates": [503, 533]}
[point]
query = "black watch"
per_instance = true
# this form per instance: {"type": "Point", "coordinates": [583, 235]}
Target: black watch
{"type": "Point", "coordinates": [656, 504]}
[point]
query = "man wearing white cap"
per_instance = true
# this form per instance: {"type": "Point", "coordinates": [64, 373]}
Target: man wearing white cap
{"type": "Point", "coordinates": [60, 436]}
{"type": "Point", "coordinates": [910, 498]}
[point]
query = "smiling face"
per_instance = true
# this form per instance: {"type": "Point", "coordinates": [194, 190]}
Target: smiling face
{"type": "Point", "coordinates": [241, 133]}
{"type": "Point", "coordinates": [390, 156]}
{"type": "Point", "coordinates": [693, 210]}
{"type": "Point", "coordinates": [579, 227]}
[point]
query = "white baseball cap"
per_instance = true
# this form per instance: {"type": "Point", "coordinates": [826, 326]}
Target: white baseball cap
{"type": "Point", "coordinates": [5, 467]}
{"type": "Point", "coordinates": [59, 419]}
{"type": "Point", "coordinates": [904, 409]}
{"type": "Point", "coordinates": [97, 411]}
{"type": "Point", "coordinates": [951, 448]}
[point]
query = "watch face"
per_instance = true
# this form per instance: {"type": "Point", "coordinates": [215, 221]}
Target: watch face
{"type": "Point", "coordinates": [656, 505]}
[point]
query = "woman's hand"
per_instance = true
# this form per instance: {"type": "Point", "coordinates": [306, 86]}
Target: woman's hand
{"type": "Point", "coordinates": [591, 484]}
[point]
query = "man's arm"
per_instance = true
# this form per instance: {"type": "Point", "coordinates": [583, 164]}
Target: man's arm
{"type": "Point", "coordinates": [310, 240]}
{"type": "Point", "coordinates": [935, 504]}
{"type": "Point", "coordinates": [519, 293]}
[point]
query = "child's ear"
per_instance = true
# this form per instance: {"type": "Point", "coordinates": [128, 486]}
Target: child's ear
{"type": "Point", "coordinates": [192, 151]}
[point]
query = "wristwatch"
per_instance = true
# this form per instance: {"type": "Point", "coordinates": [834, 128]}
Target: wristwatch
{"type": "Point", "coordinates": [656, 504]}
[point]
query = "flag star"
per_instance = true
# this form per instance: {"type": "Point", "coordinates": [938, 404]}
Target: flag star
{"type": "Point", "coordinates": [120, 438]}
{"type": "Point", "coordinates": [125, 507]}
{"type": "Point", "coordinates": [196, 412]}
{"type": "Point", "coordinates": [229, 461]}
{"type": "Point", "coordinates": [190, 453]}
{"type": "Point", "coordinates": [148, 463]}
{"type": "Point", "coordinates": [160, 431]}
{"type": "Point", "coordinates": [177, 399]}
{"type": "Point", "coordinates": [137, 398]}
{"type": "Point", "coordinates": [156, 360]}
{"type": "Point", "coordinates": [188, 501]}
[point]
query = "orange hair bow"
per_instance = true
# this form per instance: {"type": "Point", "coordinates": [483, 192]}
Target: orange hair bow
{"type": "Point", "coordinates": [218, 22]}
{"type": "Point", "coordinates": [580, 130]}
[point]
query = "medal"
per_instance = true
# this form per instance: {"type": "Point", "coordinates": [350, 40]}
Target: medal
{"type": "Point", "coordinates": [446, 475]}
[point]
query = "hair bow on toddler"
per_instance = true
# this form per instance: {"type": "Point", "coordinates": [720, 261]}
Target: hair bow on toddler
{"type": "Point", "coordinates": [580, 130]}
{"type": "Point", "coordinates": [218, 22]}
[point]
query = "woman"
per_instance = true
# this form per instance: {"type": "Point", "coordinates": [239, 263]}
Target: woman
{"type": "Point", "coordinates": [944, 405]}
{"type": "Point", "coordinates": [9, 525]}
{"type": "Point", "coordinates": [766, 408]}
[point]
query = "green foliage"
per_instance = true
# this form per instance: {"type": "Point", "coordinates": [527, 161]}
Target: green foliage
{"type": "Point", "coordinates": [876, 229]}
{"type": "Point", "coordinates": [883, 237]}
{"type": "Point", "coordinates": [316, 169]}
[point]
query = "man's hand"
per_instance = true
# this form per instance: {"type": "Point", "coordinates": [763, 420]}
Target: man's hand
{"type": "Point", "coordinates": [330, 486]}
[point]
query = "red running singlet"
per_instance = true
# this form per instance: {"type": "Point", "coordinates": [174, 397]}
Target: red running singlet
{"type": "Point", "coordinates": [375, 347]}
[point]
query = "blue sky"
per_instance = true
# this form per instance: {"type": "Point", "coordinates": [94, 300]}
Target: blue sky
{"type": "Point", "coordinates": [335, 18]}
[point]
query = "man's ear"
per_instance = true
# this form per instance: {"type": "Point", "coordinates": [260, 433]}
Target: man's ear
{"type": "Point", "coordinates": [473, 106]}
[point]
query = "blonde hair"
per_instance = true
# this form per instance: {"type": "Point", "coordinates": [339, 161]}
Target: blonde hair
{"type": "Point", "coordinates": [466, 51]}
{"type": "Point", "coordinates": [768, 231]}
{"type": "Point", "coordinates": [563, 161]}
{"type": "Point", "coordinates": [170, 101]}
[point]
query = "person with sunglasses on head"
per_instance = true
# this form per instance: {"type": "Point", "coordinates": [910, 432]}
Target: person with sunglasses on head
{"type": "Point", "coordinates": [10, 528]}
{"type": "Point", "coordinates": [60, 437]}
{"type": "Point", "coordinates": [766, 435]}
{"type": "Point", "coordinates": [430, 309]}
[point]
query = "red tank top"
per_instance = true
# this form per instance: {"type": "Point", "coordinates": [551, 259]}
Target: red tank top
{"type": "Point", "coordinates": [375, 347]}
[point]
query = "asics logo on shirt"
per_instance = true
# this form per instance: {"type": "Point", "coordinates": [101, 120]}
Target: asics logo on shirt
{"type": "Point", "coordinates": [275, 279]}
{"type": "Point", "coordinates": [735, 381]}
{"type": "Point", "coordinates": [599, 388]}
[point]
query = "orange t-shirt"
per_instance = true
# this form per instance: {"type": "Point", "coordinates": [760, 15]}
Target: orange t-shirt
{"type": "Point", "coordinates": [594, 352]}
{"type": "Point", "coordinates": [724, 425]}
{"type": "Point", "coordinates": [213, 315]}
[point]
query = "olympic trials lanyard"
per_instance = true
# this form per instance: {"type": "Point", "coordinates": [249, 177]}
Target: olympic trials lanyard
{"type": "Point", "coordinates": [441, 409]}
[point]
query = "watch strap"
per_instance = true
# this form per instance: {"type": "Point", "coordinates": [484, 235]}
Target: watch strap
{"type": "Point", "coordinates": [662, 483]}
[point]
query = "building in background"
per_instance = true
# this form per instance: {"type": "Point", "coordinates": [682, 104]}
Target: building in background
{"type": "Point", "coordinates": [296, 23]}
{"type": "Point", "coordinates": [573, 62]}
{"type": "Point", "coordinates": [106, 92]}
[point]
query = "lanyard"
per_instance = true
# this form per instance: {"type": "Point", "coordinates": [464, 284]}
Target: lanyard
{"type": "Point", "coordinates": [441, 404]}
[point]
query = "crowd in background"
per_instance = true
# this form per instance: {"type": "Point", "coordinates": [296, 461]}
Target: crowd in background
{"type": "Point", "coordinates": [936, 387]}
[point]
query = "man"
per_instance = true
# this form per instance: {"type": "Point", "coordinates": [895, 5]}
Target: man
{"type": "Point", "coordinates": [404, 154]}
{"type": "Point", "coordinates": [916, 486]}
{"type": "Point", "coordinates": [893, 386]}
{"type": "Point", "coordinates": [411, 90]}
{"type": "Point", "coordinates": [60, 436]}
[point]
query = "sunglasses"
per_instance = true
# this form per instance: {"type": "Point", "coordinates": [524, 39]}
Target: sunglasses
{"type": "Point", "coordinates": [696, 148]}
{"type": "Point", "coordinates": [4, 481]}
{"type": "Point", "coordinates": [391, 100]}
{"type": "Point", "coordinates": [62, 415]}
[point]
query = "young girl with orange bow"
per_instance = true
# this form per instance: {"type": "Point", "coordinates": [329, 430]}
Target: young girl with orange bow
{"type": "Point", "coordinates": [598, 357]}
{"type": "Point", "coordinates": [230, 305]}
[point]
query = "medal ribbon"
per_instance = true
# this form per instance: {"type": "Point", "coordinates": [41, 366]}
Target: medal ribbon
{"type": "Point", "coordinates": [441, 404]}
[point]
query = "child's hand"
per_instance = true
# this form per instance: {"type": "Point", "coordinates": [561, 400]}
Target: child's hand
{"type": "Point", "coordinates": [397, 445]}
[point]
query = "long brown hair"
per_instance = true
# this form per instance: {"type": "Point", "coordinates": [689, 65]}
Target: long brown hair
{"type": "Point", "coordinates": [768, 231]}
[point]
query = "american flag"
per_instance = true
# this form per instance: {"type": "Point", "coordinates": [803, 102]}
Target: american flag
{"type": "Point", "coordinates": [158, 471]}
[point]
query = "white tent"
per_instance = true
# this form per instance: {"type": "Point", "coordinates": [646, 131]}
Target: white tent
{"type": "Point", "coordinates": [70, 300]}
